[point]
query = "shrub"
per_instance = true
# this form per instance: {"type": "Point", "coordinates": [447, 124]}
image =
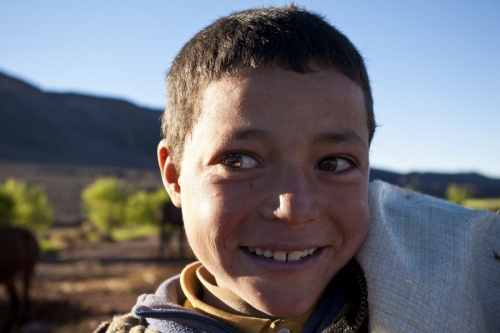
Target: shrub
{"type": "Point", "coordinates": [142, 205]}
{"type": "Point", "coordinates": [6, 207]}
{"type": "Point", "coordinates": [25, 206]}
{"type": "Point", "coordinates": [103, 203]}
{"type": "Point", "coordinates": [457, 193]}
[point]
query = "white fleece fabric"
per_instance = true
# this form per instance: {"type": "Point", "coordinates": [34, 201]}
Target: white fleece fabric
{"type": "Point", "coordinates": [429, 264]}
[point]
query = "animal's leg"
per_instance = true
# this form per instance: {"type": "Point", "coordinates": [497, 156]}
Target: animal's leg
{"type": "Point", "coordinates": [27, 275]}
{"type": "Point", "coordinates": [163, 241]}
{"type": "Point", "coordinates": [160, 244]}
{"type": "Point", "coordinates": [14, 304]}
{"type": "Point", "coordinates": [181, 243]}
{"type": "Point", "coordinates": [175, 243]}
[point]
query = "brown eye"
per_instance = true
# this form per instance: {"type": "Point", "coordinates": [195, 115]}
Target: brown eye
{"type": "Point", "coordinates": [239, 161]}
{"type": "Point", "coordinates": [334, 164]}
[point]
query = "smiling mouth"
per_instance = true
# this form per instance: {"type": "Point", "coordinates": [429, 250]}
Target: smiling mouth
{"type": "Point", "coordinates": [282, 255]}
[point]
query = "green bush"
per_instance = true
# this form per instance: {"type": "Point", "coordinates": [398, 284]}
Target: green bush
{"type": "Point", "coordinates": [25, 206]}
{"type": "Point", "coordinates": [492, 204]}
{"type": "Point", "coordinates": [6, 207]}
{"type": "Point", "coordinates": [104, 202]}
{"type": "Point", "coordinates": [107, 204]}
{"type": "Point", "coordinates": [457, 193]}
{"type": "Point", "coordinates": [141, 207]}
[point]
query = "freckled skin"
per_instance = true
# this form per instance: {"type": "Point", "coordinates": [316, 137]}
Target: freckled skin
{"type": "Point", "coordinates": [285, 194]}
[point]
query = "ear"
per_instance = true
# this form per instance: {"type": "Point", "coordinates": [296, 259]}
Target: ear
{"type": "Point", "coordinates": [169, 174]}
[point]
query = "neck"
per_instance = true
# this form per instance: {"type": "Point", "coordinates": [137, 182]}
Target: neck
{"type": "Point", "coordinates": [224, 299]}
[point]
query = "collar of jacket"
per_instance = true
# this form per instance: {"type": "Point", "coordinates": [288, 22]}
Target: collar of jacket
{"type": "Point", "coordinates": [342, 306]}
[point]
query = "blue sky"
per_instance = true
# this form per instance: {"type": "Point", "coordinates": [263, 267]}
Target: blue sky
{"type": "Point", "coordinates": [433, 64]}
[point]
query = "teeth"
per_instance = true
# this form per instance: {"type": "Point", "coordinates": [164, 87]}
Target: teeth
{"type": "Point", "coordinates": [281, 255]}
{"type": "Point", "coordinates": [294, 256]}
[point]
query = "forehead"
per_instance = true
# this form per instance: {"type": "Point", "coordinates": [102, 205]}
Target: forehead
{"type": "Point", "coordinates": [271, 95]}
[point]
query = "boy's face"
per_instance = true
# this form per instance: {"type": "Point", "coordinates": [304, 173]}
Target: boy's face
{"type": "Point", "coordinates": [277, 163]}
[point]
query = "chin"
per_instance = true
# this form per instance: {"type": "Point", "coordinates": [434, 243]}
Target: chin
{"type": "Point", "coordinates": [283, 307]}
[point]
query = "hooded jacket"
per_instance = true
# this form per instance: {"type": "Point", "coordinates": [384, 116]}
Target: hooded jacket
{"type": "Point", "coordinates": [342, 308]}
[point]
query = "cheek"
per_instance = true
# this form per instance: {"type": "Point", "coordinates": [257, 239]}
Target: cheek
{"type": "Point", "coordinates": [351, 211]}
{"type": "Point", "coordinates": [210, 223]}
{"type": "Point", "coordinates": [201, 224]}
{"type": "Point", "coordinates": [356, 223]}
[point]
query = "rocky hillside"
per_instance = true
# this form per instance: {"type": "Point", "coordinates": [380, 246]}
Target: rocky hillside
{"type": "Point", "coordinates": [436, 183]}
{"type": "Point", "coordinates": [74, 129]}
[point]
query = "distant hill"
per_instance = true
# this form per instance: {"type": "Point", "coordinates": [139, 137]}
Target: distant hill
{"type": "Point", "coordinates": [436, 183]}
{"type": "Point", "coordinates": [71, 129]}
{"type": "Point", "coordinates": [75, 129]}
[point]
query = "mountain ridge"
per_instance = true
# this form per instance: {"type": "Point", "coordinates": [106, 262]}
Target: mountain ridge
{"type": "Point", "coordinates": [83, 130]}
{"type": "Point", "coordinates": [70, 128]}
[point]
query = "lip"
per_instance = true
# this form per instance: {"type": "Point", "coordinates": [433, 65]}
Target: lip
{"type": "Point", "coordinates": [274, 266]}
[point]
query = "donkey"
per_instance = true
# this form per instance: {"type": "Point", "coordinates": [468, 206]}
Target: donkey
{"type": "Point", "coordinates": [18, 254]}
{"type": "Point", "coordinates": [166, 213]}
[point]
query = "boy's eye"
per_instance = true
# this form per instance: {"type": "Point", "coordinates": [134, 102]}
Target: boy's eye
{"type": "Point", "coordinates": [334, 164]}
{"type": "Point", "coordinates": [240, 161]}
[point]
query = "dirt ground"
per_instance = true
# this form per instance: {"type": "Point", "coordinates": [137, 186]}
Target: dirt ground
{"type": "Point", "coordinates": [75, 289]}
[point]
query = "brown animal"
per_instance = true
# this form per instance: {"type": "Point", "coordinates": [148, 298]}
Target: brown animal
{"type": "Point", "coordinates": [167, 213]}
{"type": "Point", "coordinates": [18, 254]}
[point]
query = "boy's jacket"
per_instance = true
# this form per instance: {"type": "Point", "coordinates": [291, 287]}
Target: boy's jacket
{"type": "Point", "coordinates": [430, 266]}
{"type": "Point", "coordinates": [342, 309]}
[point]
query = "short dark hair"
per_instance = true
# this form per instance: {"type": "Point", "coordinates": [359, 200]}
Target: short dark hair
{"type": "Point", "coordinates": [289, 37]}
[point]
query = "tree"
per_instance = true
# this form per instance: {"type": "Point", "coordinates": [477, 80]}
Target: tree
{"type": "Point", "coordinates": [6, 207]}
{"type": "Point", "coordinates": [25, 206]}
{"type": "Point", "coordinates": [103, 203]}
{"type": "Point", "coordinates": [457, 193]}
{"type": "Point", "coordinates": [142, 205]}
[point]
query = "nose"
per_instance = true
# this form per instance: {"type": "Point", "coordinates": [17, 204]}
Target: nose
{"type": "Point", "coordinates": [291, 198]}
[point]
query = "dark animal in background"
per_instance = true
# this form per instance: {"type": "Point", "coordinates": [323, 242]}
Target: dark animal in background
{"type": "Point", "coordinates": [18, 255]}
{"type": "Point", "coordinates": [167, 213]}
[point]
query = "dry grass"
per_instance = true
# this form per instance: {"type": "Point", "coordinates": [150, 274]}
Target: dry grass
{"type": "Point", "coordinates": [492, 204]}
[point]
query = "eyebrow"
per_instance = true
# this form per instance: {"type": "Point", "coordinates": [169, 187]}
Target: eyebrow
{"type": "Point", "coordinates": [248, 135]}
{"type": "Point", "coordinates": [348, 136]}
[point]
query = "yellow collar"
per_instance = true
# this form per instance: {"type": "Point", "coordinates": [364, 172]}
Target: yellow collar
{"type": "Point", "coordinates": [200, 288]}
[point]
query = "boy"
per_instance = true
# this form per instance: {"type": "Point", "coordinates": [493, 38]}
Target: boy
{"type": "Point", "coordinates": [267, 133]}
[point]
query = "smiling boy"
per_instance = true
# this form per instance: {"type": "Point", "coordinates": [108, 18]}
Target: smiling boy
{"type": "Point", "coordinates": [266, 150]}
{"type": "Point", "coordinates": [276, 163]}
{"type": "Point", "coordinates": [273, 176]}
